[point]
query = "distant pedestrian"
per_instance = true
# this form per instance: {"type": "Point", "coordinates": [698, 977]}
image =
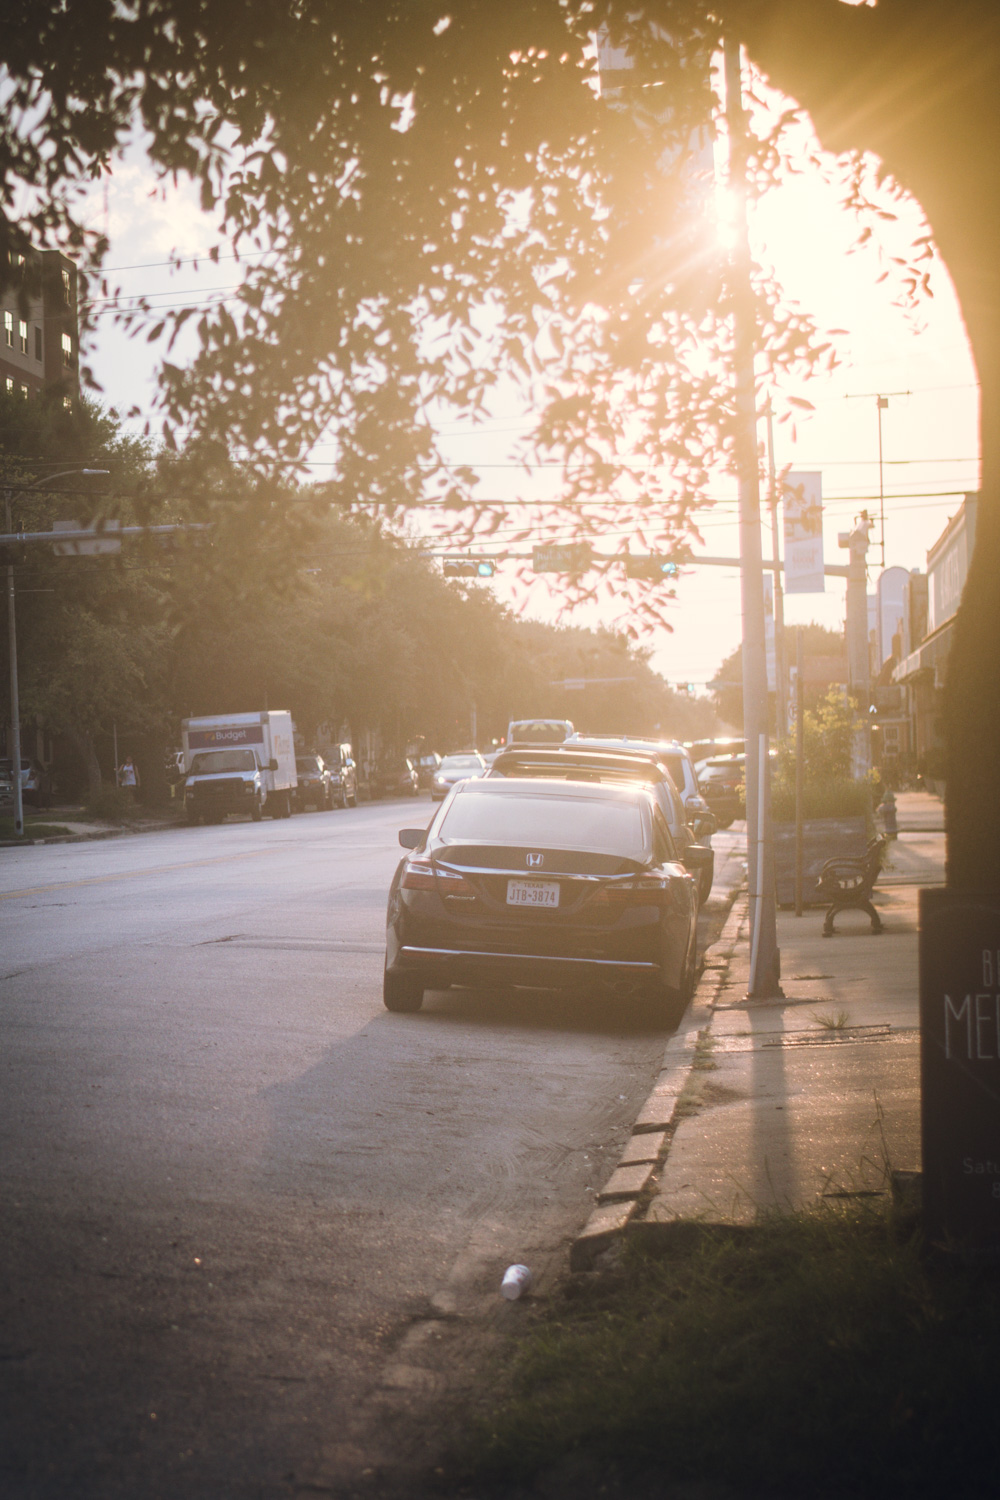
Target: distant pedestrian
{"type": "Point", "coordinates": [128, 776]}
{"type": "Point", "coordinates": [889, 822]}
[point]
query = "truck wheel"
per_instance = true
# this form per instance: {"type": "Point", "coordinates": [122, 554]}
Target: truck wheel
{"type": "Point", "coordinates": [286, 805]}
{"type": "Point", "coordinates": [256, 810]}
{"type": "Point", "coordinates": [193, 819]}
{"type": "Point", "coordinates": [402, 992]}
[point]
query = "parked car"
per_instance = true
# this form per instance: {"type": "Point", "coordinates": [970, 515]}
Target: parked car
{"type": "Point", "coordinates": [545, 884]}
{"type": "Point", "coordinates": [343, 775]}
{"type": "Point", "coordinates": [36, 783]}
{"type": "Point", "coordinates": [427, 766]}
{"type": "Point", "coordinates": [678, 762]}
{"type": "Point", "coordinates": [456, 768]}
{"type": "Point", "coordinates": [574, 763]}
{"type": "Point", "coordinates": [394, 777]}
{"type": "Point", "coordinates": [314, 788]}
{"type": "Point", "coordinates": [700, 750]}
{"type": "Point", "coordinates": [721, 782]}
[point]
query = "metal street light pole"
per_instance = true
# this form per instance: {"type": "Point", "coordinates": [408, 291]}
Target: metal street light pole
{"type": "Point", "coordinates": [15, 700]}
{"type": "Point", "coordinates": [765, 959]}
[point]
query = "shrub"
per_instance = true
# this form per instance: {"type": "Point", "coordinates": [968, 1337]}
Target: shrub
{"type": "Point", "coordinates": [113, 804]}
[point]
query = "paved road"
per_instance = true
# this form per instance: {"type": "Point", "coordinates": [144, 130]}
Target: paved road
{"type": "Point", "coordinates": [241, 1201]}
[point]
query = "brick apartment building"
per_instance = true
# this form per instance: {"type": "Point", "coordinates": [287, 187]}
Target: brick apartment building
{"type": "Point", "coordinates": [39, 342]}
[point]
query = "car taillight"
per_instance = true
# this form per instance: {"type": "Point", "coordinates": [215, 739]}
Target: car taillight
{"type": "Point", "coordinates": [639, 891]}
{"type": "Point", "coordinates": [422, 875]}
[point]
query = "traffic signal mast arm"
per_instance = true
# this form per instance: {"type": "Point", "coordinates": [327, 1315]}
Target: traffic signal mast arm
{"type": "Point", "coordinates": [92, 533]}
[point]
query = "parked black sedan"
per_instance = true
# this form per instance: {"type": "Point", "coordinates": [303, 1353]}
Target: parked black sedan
{"type": "Point", "coordinates": [545, 884]}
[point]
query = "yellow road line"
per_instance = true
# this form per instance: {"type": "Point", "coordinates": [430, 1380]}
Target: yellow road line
{"type": "Point", "coordinates": [191, 864]}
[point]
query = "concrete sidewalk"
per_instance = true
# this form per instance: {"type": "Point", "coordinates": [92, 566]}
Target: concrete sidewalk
{"type": "Point", "coordinates": [772, 1106]}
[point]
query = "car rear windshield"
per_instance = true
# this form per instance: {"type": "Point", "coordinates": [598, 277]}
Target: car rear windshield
{"type": "Point", "coordinates": [307, 763]}
{"type": "Point", "coordinates": [461, 763]}
{"type": "Point", "coordinates": [211, 762]}
{"type": "Point", "coordinates": [610, 826]}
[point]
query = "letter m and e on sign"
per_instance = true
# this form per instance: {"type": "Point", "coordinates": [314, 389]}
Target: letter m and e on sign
{"type": "Point", "coordinates": [960, 1070]}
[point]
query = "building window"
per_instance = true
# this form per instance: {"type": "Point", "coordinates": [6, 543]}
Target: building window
{"type": "Point", "coordinates": [8, 329]}
{"type": "Point", "coordinates": [10, 385]}
{"type": "Point", "coordinates": [22, 331]}
{"type": "Point", "coordinates": [66, 285]}
{"type": "Point", "coordinates": [67, 348]}
{"type": "Point", "coordinates": [38, 341]}
{"type": "Point", "coordinates": [67, 403]}
{"type": "Point", "coordinates": [24, 393]}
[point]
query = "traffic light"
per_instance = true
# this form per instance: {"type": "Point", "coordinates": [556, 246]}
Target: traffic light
{"type": "Point", "coordinates": [466, 567]}
{"type": "Point", "coordinates": [651, 567]}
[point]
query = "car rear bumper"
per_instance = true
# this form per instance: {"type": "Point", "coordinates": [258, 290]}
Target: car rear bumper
{"type": "Point", "coordinates": [469, 966]}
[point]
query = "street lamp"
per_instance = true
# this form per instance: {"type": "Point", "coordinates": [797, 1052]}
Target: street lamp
{"type": "Point", "coordinates": [15, 704]}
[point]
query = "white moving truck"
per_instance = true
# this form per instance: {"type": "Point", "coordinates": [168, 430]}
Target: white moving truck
{"type": "Point", "coordinates": [238, 763]}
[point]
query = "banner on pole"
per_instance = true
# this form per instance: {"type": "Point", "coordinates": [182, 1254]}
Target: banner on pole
{"type": "Point", "coordinates": [803, 500]}
{"type": "Point", "coordinates": [769, 646]}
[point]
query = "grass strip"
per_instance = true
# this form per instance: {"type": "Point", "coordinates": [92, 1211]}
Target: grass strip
{"type": "Point", "coordinates": [32, 830]}
{"type": "Point", "coordinates": [822, 1354]}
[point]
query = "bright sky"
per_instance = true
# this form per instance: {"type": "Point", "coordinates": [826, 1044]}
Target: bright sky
{"type": "Point", "coordinates": [921, 363]}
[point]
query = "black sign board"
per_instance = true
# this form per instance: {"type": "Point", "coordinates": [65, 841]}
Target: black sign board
{"type": "Point", "coordinates": [960, 1070]}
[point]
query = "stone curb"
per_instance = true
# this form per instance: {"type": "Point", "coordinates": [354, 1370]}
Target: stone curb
{"type": "Point", "coordinates": [619, 1200]}
{"type": "Point", "coordinates": [86, 838]}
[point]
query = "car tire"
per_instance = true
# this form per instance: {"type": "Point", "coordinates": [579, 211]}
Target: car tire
{"type": "Point", "coordinates": [704, 886]}
{"type": "Point", "coordinates": [192, 819]}
{"type": "Point", "coordinates": [401, 992]}
{"type": "Point", "coordinates": [256, 810]}
{"type": "Point", "coordinates": [670, 1001]}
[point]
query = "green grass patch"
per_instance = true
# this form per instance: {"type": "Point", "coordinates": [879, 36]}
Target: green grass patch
{"type": "Point", "coordinates": [823, 1354]}
{"type": "Point", "coordinates": [32, 829]}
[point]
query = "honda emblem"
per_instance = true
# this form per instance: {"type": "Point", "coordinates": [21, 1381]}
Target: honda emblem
{"type": "Point", "coordinates": [535, 861]}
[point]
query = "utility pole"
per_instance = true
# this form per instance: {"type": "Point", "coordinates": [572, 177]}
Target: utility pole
{"type": "Point", "coordinates": [15, 701]}
{"type": "Point", "coordinates": [765, 960]}
{"type": "Point", "coordinates": [858, 666]}
{"type": "Point", "coordinates": [881, 405]}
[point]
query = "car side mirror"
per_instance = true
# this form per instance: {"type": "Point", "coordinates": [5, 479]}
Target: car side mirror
{"type": "Point", "coordinates": [272, 764]}
{"type": "Point", "coordinates": [697, 857]}
{"type": "Point", "coordinates": [412, 838]}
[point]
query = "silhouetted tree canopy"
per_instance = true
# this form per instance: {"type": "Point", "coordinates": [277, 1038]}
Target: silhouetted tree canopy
{"type": "Point", "coordinates": [436, 199]}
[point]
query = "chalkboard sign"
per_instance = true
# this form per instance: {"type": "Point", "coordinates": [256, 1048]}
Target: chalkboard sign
{"type": "Point", "coordinates": [960, 1070]}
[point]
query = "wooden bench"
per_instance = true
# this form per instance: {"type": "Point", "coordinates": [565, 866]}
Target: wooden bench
{"type": "Point", "coordinates": [848, 885]}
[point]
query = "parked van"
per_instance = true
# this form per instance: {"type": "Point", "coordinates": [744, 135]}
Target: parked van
{"type": "Point", "coordinates": [238, 763]}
